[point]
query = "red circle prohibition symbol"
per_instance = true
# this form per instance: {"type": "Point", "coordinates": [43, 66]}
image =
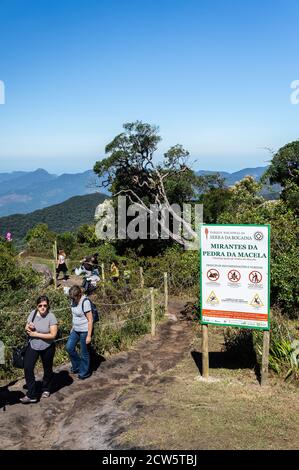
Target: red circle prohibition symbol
{"type": "Point", "coordinates": [234, 275]}
{"type": "Point", "coordinates": [255, 277]}
{"type": "Point", "coordinates": [213, 275]}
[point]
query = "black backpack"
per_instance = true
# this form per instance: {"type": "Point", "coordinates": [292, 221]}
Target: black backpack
{"type": "Point", "coordinates": [94, 311]}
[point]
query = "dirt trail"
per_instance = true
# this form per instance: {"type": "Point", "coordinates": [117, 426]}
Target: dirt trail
{"type": "Point", "coordinates": [87, 414]}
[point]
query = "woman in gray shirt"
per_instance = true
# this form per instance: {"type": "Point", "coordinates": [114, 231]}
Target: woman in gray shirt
{"type": "Point", "coordinates": [41, 327]}
{"type": "Point", "coordinates": [81, 332]}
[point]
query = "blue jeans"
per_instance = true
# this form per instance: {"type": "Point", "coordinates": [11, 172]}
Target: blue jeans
{"type": "Point", "coordinates": [79, 363]}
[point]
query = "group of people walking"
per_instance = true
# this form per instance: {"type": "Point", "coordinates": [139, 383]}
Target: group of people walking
{"type": "Point", "coordinates": [41, 328]}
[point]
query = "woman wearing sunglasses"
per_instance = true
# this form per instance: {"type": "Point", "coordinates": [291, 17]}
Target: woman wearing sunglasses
{"type": "Point", "coordinates": [41, 328]}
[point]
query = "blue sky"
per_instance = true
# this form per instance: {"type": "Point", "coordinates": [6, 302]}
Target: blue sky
{"type": "Point", "coordinates": [215, 76]}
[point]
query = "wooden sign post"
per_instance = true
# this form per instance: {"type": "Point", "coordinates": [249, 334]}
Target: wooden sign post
{"type": "Point", "coordinates": [265, 358]}
{"type": "Point", "coordinates": [205, 351]}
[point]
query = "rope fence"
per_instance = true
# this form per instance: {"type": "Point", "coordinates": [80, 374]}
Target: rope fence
{"type": "Point", "coordinates": [151, 303]}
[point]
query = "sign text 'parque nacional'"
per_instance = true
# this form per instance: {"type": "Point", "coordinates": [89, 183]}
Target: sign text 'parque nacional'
{"type": "Point", "coordinates": [235, 275]}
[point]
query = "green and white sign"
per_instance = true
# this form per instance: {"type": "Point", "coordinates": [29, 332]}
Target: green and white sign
{"type": "Point", "coordinates": [235, 275]}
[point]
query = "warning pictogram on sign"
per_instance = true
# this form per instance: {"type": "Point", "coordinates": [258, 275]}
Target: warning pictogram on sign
{"type": "Point", "coordinates": [212, 299]}
{"type": "Point", "coordinates": [234, 275]}
{"type": "Point", "coordinates": [213, 274]}
{"type": "Point", "coordinates": [255, 277]}
{"type": "Point", "coordinates": [256, 301]}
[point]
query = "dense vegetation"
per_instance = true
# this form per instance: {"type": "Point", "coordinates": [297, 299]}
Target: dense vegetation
{"type": "Point", "coordinates": [242, 203]}
{"type": "Point", "coordinates": [64, 217]}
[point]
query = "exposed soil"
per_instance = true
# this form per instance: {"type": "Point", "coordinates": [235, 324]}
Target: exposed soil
{"type": "Point", "coordinates": [153, 397]}
{"type": "Point", "coordinates": [86, 414]}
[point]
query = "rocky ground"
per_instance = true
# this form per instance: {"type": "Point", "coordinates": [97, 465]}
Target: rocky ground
{"type": "Point", "coordinates": [153, 397]}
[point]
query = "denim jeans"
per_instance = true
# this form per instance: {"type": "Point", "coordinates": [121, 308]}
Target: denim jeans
{"type": "Point", "coordinates": [79, 363]}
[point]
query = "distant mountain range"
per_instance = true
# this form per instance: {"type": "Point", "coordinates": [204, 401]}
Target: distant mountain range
{"type": "Point", "coordinates": [23, 192]}
{"type": "Point", "coordinates": [232, 178]}
{"type": "Point", "coordinates": [64, 217]}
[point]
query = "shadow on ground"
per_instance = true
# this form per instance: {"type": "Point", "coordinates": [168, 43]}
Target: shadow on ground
{"type": "Point", "coordinates": [228, 360]}
{"type": "Point", "coordinates": [95, 359]}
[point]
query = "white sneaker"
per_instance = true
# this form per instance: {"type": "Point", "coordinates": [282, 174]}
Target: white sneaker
{"type": "Point", "coordinates": [25, 400]}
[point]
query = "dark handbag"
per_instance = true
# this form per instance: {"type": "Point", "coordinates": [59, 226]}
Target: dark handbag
{"type": "Point", "coordinates": [18, 353]}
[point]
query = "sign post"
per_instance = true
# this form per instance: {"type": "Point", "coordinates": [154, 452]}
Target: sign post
{"type": "Point", "coordinates": [235, 279]}
{"type": "Point", "coordinates": [205, 351]}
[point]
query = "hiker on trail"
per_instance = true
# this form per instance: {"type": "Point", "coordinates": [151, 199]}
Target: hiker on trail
{"type": "Point", "coordinates": [95, 261]}
{"type": "Point", "coordinates": [61, 265]}
{"type": "Point", "coordinates": [89, 264]}
{"type": "Point", "coordinates": [114, 271]}
{"type": "Point", "coordinates": [41, 328]}
{"type": "Point", "coordinates": [81, 332]}
{"type": "Point", "coordinates": [8, 237]}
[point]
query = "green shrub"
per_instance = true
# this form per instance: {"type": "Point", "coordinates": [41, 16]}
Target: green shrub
{"type": "Point", "coordinates": [284, 242]}
{"type": "Point", "coordinates": [282, 347]}
{"type": "Point", "coordinates": [66, 241]}
{"type": "Point", "coordinates": [182, 268]}
{"type": "Point", "coordinates": [247, 346]}
{"type": "Point", "coordinates": [40, 240]}
{"type": "Point", "coordinates": [15, 280]}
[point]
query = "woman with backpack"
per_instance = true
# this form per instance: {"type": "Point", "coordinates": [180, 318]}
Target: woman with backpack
{"type": "Point", "coordinates": [81, 332]}
{"type": "Point", "coordinates": [41, 328]}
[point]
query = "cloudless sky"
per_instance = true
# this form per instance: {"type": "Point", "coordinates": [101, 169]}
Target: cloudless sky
{"type": "Point", "coordinates": [215, 76]}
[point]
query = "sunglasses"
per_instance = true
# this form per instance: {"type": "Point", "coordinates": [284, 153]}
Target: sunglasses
{"type": "Point", "coordinates": [42, 305]}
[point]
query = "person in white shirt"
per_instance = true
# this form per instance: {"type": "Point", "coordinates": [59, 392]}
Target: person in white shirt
{"type": "Point", "coordinates": [61, 265]}
{"type": "Point", "coordinates": [81, 332]}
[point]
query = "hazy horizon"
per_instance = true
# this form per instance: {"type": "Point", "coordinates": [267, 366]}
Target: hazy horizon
{"type": "Point", "coordinates": [58, 173]}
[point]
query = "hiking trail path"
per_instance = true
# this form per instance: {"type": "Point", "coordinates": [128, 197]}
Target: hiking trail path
{"type": "Point", "coordinates": [87, 414]}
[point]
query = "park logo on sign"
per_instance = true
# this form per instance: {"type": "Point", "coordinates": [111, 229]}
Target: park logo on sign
{"type": "Point", "coordinates": [258, 236]}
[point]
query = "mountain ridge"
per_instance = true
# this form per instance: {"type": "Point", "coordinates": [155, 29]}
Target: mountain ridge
{"type": "Point", "coordinates": [25, 192]}
{"type": "Point", "coordinates": [63, 217]}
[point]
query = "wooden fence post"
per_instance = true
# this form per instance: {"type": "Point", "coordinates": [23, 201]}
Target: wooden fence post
{"type": "Point", "coordinates": [265, 358]}
{"type": "Point", "coordinates": [54, 263]}
{"type": "Point", "coordinates": [205, 351]}
{"type": "Point", "coordinates": [153, 319]}
{"type": "Point", "coordinates": [103, 272]}
{"type": "Point", "coordinates": [165, 294]}
{"type": "Point", "coordinates": [141, 277]}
